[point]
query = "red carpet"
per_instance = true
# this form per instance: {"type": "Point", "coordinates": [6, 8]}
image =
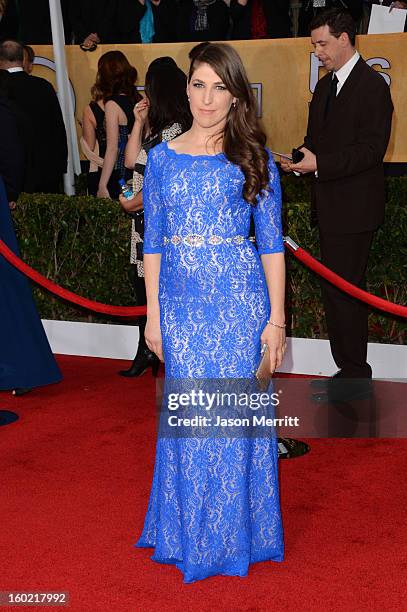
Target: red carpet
{"type": "Point", "coordinates": [76, 473]}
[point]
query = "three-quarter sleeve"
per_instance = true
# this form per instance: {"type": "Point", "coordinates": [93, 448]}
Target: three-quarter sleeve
{"type": "Point", "coordinates": [153, 208]}
{"type": "Point", "coordinates": [267, 215]}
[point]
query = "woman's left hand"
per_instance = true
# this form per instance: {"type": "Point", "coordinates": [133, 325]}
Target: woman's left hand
{"type": "Point", "coordinates": [133, 205]}
{"type": "Point", "coordinates": [275, 339]}
{"type": "Point", "coordinates": [141, 110]}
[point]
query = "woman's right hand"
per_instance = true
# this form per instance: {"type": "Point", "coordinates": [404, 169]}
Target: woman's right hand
{"type": "Point", "coordinates": [153, 336]}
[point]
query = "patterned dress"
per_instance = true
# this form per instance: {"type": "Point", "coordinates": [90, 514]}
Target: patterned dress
{"type": "Point", "coordinates": [137, 224]}
{"type": "Point", "coordinates": [214, 504]}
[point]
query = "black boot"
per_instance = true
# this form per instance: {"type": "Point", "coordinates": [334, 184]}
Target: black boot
{"type": "Point", "coordinates": [143, 360]}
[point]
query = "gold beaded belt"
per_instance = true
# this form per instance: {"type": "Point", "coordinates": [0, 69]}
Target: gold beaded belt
{"type": "Point", "coordinates": [196, 240]}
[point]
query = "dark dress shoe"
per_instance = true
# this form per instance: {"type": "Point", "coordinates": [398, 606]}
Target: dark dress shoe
{"type": "Point", "coordinates": [321, 384]}
{"type": "Point", "coordinates": [21, 391]}
{"type": "Point", "coordinates": [344, 390]}
{"type": "Point", "coordinates": [143, 360]}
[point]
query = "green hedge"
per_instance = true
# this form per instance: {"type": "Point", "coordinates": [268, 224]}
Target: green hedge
{"type": "Point", "coordinates": [83, 243]}
{"type": "Point", "coordinates": [387, 271]}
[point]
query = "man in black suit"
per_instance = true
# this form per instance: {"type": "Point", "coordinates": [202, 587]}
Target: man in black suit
{"type": "Point", "coordinates": [348, 131]}
{"type": "Point", "coordinates": [45, 135]}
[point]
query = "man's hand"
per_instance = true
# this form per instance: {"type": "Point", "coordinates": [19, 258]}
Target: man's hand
{"type": "Point", "coordinates": [12, 205]}
{"type": "Point", "coordinates": [399, 5]}
{"type": "Point", "coordinates": [307, 164]}
{"type": "Point", "coordinates": [90, 41]}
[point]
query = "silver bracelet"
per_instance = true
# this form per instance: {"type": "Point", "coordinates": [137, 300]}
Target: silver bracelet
{"type": "Point", "coordinates": [273, 324]}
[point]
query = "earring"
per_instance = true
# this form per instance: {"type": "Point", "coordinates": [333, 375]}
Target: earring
{"type": "Point", "coordinates": [233, 104]}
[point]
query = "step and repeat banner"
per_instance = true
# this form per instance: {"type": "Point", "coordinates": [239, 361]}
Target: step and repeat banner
{"type": "Point", "coordinates": [283, 74]}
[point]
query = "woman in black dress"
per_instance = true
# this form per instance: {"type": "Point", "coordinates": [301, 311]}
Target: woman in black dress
{"type": "Point", "coordinates": [109, 119]}
{"type": "Point", "coordinates": [162, 115]}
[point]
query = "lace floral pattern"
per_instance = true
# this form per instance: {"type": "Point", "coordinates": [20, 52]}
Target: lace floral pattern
{"type": "Point", "coordinates": [214, 504]}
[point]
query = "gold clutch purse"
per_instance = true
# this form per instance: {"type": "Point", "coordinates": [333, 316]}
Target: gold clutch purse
{"type": "Point", "coordinates": [263, 373]}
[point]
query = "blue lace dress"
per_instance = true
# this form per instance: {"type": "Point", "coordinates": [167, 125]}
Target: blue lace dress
{"type": "Point", "coordinates": [214, 504]}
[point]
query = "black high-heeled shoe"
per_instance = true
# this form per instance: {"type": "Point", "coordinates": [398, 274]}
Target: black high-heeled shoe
{"type": "Point", "coordinates": [143, 360]}
{"type": "Point", "coordinates": [19, 391]}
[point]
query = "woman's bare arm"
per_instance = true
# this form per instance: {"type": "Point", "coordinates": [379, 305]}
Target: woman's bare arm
{"type": "Point", "coordinates": [89, 127]}
{"type": "Point", "coordinates": [273, 336]}
{"type": "Point", "coordinates": [112, 116]}
{"type": "Point", "coordinates": [136, 137]}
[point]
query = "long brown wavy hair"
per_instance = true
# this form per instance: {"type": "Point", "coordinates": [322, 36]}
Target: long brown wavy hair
{"type": "Point", "coordinates": [115, 76]}
{"type": "Point", "coordinates": [243, 139]}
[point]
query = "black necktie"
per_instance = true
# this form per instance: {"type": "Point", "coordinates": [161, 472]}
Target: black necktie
{"type": "Point", "coordinates": [332, 95]}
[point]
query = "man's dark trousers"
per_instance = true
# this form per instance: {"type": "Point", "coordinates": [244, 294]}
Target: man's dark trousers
{"type": "Point", "coordinates": [347, 317]}
{"type": "Point", "coordinates": [348, 197]}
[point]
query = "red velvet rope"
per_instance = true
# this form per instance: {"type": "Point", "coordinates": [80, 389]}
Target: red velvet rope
{"type": "Point", "coordinates": [338, 281]}
{"type": "Point", "coordinates": [118, 311]}
{"type": "Point", "coordinates": [135, 311]}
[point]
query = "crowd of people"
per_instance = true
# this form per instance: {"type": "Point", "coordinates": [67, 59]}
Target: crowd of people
{"type": "Point", "coordinates": [90, 22]}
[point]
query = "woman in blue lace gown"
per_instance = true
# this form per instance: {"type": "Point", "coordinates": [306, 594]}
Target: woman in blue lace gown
{"type": "Point", "coordinates": [214, 504]}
